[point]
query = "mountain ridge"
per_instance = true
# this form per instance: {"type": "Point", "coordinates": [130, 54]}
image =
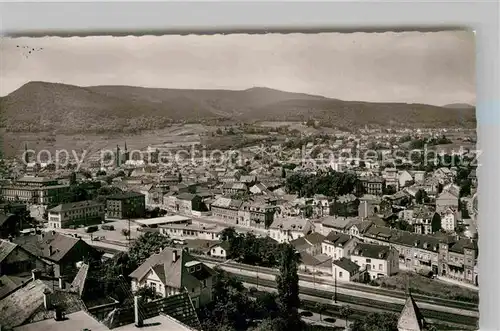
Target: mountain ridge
{"type": "Point", "coordinates": [43, 106]}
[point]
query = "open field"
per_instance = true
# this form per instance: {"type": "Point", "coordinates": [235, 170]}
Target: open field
{"type": "Point", "coordinates": [426, 286]}
{"type": "Point", "coordinates": [94, 143]}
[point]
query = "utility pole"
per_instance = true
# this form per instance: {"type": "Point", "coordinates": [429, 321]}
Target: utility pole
{"type": "Point", "coordinates": [335, 293]}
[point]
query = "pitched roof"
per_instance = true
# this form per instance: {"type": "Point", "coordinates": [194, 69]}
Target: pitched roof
{"type": "Point", "coordinates": [41, 246]}
{"type": "Point", "coordinates": [177, 306]}
{"type": "Point", "coordinates": [6, 247]}
{"type": "Point", "coordinates": [315, 238]}
{"type": "Point", "coordinates": [411, 318]}
{"type": "Point", "coordinates": [172, 272]}
{"type": "Point", "coordinates": [372, 251]}
{"type": "Point", "coordinates": [338, 239]}
{"type": "Point", "coordinates": [292, 224]}
{"type": "Point", "coordinates": [339, 222]}
{"type": "Point", "coordinates": [227, 203]}
{"type": "Point", "coordinates": [75, 205]}
{"type": "Point", "coordinates": [5, 217]}
{"type": "Point", "coordinates": [78, 284]}
{"type": "Point", "coordinates": [125, 195]}
{"type": "Point", "coordinates": [8, 284]}
{"type": "Point", "coordinates": [347, 265]}
{"type": "Point", "coordinates": [16, 308]}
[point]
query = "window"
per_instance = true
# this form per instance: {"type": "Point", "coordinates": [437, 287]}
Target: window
{"type": "Point", "coordinates": [368, 260]}
{"type": "Point", "coordinates": [204, 283]}
{"type": "Point", "coordinates": [379, 267]}
{"type": "Point", "coordinates": [340, 274]}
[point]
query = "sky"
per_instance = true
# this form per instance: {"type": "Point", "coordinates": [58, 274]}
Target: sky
{"type": "Point", "coordinates": [434, 67]}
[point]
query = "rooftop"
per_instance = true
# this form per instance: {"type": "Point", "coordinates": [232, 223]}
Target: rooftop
{"type": "Point", "coordinates": [75, 321]}
{"type": "Point", "coordinates": [75, 205]}
{"type": "Point", "coordinates": [372, 251]}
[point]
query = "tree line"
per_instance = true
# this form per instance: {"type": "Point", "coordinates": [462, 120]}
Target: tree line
{"type": "Point", "coordinates": [329, 183]}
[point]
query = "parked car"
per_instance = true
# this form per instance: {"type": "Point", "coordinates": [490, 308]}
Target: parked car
{"type": "Point", "coordinates": [107, 227]}
{"type": "Point", "coordinates": [92, 228]}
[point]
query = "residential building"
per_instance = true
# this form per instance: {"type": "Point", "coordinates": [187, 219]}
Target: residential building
{"type": "Point", "coordinates": [60, 252]}
{"type": "Point", "coordinates": [76, 213]}
{"type": "Point", "coordinates": [373, 185]}
{"type": "Point", "coordinates": [338, 245]}
{"type": "Point", "coordinates": [444, 175]}
{"type": "Point", "coordinates": [220, 250]}
{"type": "Point", "coordinates": [391, 177]}
{"type": "Point", "coordinates": [404, 178]}
{"type": "Point", "coordinates": [186, 203]}
{"type": "Point", "coordinates": [418, 177]}
{"type": "Point", "coordinates": [319, 264]}
{"type": "Point", "coordinates": [417, 252]}
{"type": "Point", "coordinates": [447, 199]}
{"type": "Point", "coordinates": [458, 258]}
{"type": "Point", "coordinates": [230, 188]}
{"type": "Point", "coordinates": [337, 224]}
{"type": "Point", "coordinates": [286, 230]}
{"type": "Point", "coordinates": [377, 260]}
{"type": "Point", "coordinates": [35, 190]}
{"type": "Point", "coordinates": [15, 260]}
{"type": "Point", "coordinates": [126, 205]}
{"type": "Point", "coordinates": [422, 219]}
{"type": "Point", "coordinates": [449, 219]}
{"type": "Point", "coordinates": [174, 271]}
{"type": "Point", "coordinates": [310, 243]}
{"type": "Point", "coordinates": [227, 209]}
{"type": "Point", "coordinates": [344, 270]}
{"type": "Point", "coordinates": [256, 214]}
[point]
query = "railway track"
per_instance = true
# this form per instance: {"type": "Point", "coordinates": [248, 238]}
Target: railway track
{"type": "Point", "coordinates": [379, 291]}
{"type": "Point", "coordinates": [347, 299]}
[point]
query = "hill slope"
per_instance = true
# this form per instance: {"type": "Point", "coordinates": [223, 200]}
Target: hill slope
{"type": "Point", "coordinates": [40, 106]}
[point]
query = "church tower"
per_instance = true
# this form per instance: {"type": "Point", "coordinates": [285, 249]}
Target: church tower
{"type": "Point", "coordinates": [118, 156]}
{"type": "Point", "coordinates": [125, 153]}
{"type": "Point", "coordinates": [411, 319]}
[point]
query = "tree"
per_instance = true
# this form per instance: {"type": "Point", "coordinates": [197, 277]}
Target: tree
{"type": "Point", "coordinates": [147, 244]}
{"type": "Point", "coordinates": [420, 196]}
{"type": "Point", "coordinates": [376, 322]}
{"type": "Point", "coordinates": [228, 234]}
{"type": "Point", "coordinates": [147, 293]}
{"type": "Point", "coordinates": [288, 286]}
{"type": "Point", "coordinates": [321, 308]}
{"type": "Point", "coordinates": [436, 223]}
{"type": "Point", "coordinates": [389, 190]}
{"type": "Point", "coordinates": [346, 312]}
{"type": "Point", "coordinates": [465, 188]}
{"type": "Point", "coordinates": [283, 172]}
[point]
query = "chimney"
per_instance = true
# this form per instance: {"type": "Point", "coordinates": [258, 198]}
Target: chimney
{"type": "Point", "coordinates": [175, 256]}
{"type": "Point", "coordinates": [46, 299]}
{"type": "Point", "coordinates": [61, 283]}
{"type": "Point", "coordinates": [137, 313]}
{"type": "Point", "coordinates": [36, 273]}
